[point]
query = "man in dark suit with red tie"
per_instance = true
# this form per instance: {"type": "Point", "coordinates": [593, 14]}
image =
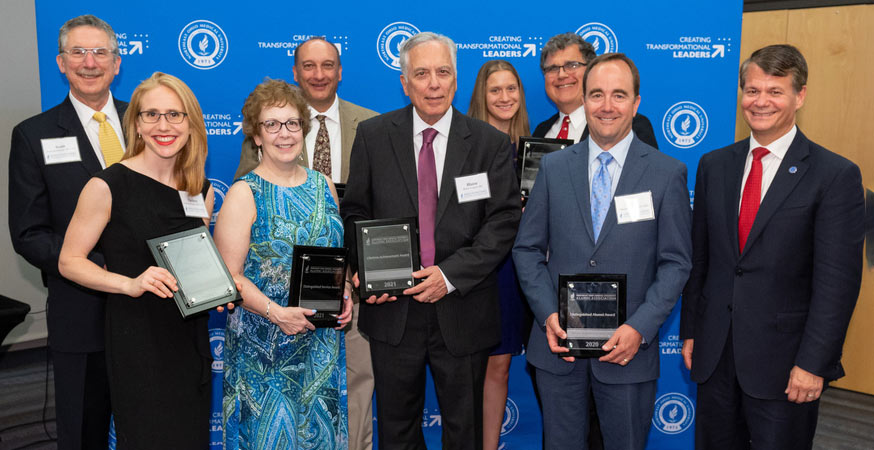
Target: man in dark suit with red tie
{"type": "Point", "coordinates": [53, 155]}
{"type": "Point", "coordinates": [411, 162]}
{"type": "Point", "coordinates": [563, 61]}
{"type": "Point", "coordinates": [777, 265]}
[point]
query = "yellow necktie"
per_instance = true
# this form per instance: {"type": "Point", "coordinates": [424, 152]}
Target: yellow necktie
{"type": "Point", "coordinates": [109, 144]}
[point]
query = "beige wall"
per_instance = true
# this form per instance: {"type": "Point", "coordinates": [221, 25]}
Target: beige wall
{"type": "Point", "coordinates": [838, 44]}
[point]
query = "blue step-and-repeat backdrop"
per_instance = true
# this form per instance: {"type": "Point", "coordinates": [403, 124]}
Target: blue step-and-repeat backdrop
{"type": "Point", "coordinates": [687, 52]}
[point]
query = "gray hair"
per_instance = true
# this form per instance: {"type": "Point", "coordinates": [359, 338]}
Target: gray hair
{"type": "Point", "coordinates": [564, 40]}
{"type": "Point", "coordinates": [421, 38]}
{"type": "Point", "coordinates": [87, 20]}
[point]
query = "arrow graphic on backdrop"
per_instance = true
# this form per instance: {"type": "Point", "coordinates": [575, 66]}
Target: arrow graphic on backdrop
{"type": "Point", "coordinates": [239, 127]}
{"type": "Point", "coordinates": [529, 49]}
{"type": "Point", "coordinates": [718, 50]}
{"type": "Point", "coordinates": [135, 47]}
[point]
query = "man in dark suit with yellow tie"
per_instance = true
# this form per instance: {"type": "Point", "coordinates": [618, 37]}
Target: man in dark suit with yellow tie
{"type": "Point", "coordinates": [777, 265]}
{"type": "Point", "coordinates": [53, 155]}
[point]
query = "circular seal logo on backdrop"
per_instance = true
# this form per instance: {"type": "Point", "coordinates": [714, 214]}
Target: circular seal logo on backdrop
{"type": "Point", "coordinates": [685, 124]}
{"type": "Point", "coordinates": [203, 44]}
{"type": "Point", "coordinates": [511, 417]}
{"type": "Point", "coordinates": [674, 413]}
{"type": "Point", "coordinates": [389, 41]}
{"type": "Point", "coordinates": [220, 188]}
{"type": "Point", "coordinates": [600, 36]}
{"type": "Point", "coordinates": [217, 346]}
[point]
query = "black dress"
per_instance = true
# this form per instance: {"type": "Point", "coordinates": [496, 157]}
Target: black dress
{"type": "Point", "coordinates": [158, 363]}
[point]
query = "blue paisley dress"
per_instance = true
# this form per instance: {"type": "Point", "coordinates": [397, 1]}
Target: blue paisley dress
{"type": "Point", "coordinates": [280, 391]}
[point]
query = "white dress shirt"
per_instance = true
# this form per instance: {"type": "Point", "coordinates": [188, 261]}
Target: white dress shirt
{"type": "Point", "coordinates": [92, 126]}
{"type": "Point", "coordinates": [441, 139]}
{"type": "Point", "coordinates": [770, 162]}
{"type": "Point", "coordinates": [332, 123]}
{"type": "Point", "coordinates": [575, 127]}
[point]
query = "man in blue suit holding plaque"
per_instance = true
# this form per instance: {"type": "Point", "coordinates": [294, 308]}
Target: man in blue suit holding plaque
{"type": "Point", "coordinates": [610, 204]}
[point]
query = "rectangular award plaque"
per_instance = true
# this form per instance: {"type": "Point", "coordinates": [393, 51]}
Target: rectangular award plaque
{"type": "Point", "coordinates": [531, 149]}
{"type": "Point", "coordinates": [388, 254]}
{"type": "Point", "coordinates": [318, 276]}
{"type": "Point", "coordinates": [590, 308]}
{"type": "Point", "coordinates": [201, 275]}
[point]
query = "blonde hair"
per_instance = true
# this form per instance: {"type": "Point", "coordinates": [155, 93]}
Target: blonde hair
{"type": "Point", "coordinates": [189, 167]}
{"type": "Point", "coordinates": [479, 108]}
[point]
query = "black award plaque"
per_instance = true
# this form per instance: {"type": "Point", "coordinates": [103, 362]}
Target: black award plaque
{"type": "Point", "coordinates": [201, 275]}
{"type": "Point", "coordinates": [388, 254]}
{"type": "Point", "coordinates": [531, 149]}
{"type": "Point", "coordinates": [318, 276]}
{"type": "Point", "coordinates": [590, 308]}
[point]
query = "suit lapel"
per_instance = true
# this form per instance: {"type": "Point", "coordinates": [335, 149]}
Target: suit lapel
{"type": "Point", "coordinates": [68, 120]}
{"type": "Point", "coordinates": [348, 126]}
{"type": "Point", "coordinates": [578, 173]}
{"type": "Point", "coordinates": [733, 179]}
{"type": "Point", "coordinates": [402, 144]}
{"type": "Point", "coordinates": [632, 173]}
{"type": "Point", "coordinates": [784, 182]}
{"type": "Point", "coordinates": [457, 149]}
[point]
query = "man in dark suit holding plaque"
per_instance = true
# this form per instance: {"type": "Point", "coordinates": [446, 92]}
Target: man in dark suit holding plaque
{"type": "Point", "coordinates": [417, 161]}
{"type": "Point", "coordinates": [777, 233]}
{"type": "Point", "coordinates": [610, 204]}
{"type": "Point", "coordinates": [563, 61]}
{"type": "Point", "coordinates": [53, 155]}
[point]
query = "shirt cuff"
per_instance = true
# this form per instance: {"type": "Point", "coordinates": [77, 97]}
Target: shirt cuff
{"type": "Point", "coordinates": [449, 287]}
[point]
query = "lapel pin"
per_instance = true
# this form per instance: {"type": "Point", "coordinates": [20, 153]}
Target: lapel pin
{"type": "Point", "coordinates": [793, 169]}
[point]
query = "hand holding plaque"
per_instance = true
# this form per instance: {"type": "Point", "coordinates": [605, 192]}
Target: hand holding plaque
{"type": "Point", "coordinates": [388, 254]}
{"type": "Point", "coordinates": [591, 308]}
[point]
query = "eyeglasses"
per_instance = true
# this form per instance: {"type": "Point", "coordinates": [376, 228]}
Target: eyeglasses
{"type": "Point", "coordinates": [79, 53]}
{"type": "Point", "coordinates": [273, 126]}
{"type": "Point", "coordinates": [173, 117]}
{"type": "Point", "coordinates": [569, 67]}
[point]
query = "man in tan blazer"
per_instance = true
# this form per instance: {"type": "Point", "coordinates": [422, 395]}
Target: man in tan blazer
{"type": "Point", "coordinates": [317, 71]}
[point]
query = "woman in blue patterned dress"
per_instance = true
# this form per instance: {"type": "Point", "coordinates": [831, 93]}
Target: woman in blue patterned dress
{"type": "Point", "coordinates": [285, 380]}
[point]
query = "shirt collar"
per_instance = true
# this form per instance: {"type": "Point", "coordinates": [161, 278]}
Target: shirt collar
{"type": "Point", "coordinates": [780, 146]}
{"type": "Point", "coordinates": [333, 112]}
{"type": "Point", "coordinates": [85, 112]}
{"type": "Point", "coordinates": [578, 117]}
{"type": "Point", "coordinates": [619, 151]}
{"type": "Point", "coordinates": [442, 125]}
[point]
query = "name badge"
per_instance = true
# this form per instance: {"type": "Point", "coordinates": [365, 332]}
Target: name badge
{"type": "Point", "coordinates": [60, 150]}
{"type": "Point", "coordinates": [472, 187]}
{"type": "Point", "coordinates": [193, 205]}
{"type": "Point", "coordinates": [634, 207]}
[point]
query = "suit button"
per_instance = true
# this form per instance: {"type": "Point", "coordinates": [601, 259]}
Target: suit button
{"type": "Point", "coordinates": [730, 308]}
{"type": "Point", "coordinates": [738, 271]}
{"type": "Point", "coordinates": [592, 263]}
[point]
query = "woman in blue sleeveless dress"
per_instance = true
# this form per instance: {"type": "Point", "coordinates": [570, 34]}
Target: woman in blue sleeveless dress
{"type": "Point", "coordinates": [285, 380]}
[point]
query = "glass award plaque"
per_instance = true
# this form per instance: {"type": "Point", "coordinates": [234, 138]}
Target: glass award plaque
{"type": "Point", "coordinates": [201, 275]}
{"type": "Point", "coordinates": [590, 308]}
{"type": "Point", "coordinates": [318, 277]}
{"type": "Point", "coordinates": [388, 254]}
{"type": "Point", "coordinates": [531, 149]}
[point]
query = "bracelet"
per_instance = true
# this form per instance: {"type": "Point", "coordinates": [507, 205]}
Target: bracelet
{"type": "Point", "coordinates": [267, 313]}
{"type": "Point", "coordinates": [350, 283]}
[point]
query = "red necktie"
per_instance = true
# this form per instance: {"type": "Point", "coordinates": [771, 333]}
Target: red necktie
{"type": "Point", "coordinates": [427, 197]}
{"type": "Point", "coordinates": [751, 198]}
{"type": "Point", "coordinates": [562, 134]}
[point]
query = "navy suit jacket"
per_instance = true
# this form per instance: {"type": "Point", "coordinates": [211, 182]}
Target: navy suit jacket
{"type": "Point", "coordinates": [789, 296]}
{"type": "Point", "coordinates": [655, 254]}
{"type": "Point", "coordinates": [471, 238]}
{"type": "Point", "coordinates": [42, 199]}
{"type": "Point", "coordinates": [640, 125]}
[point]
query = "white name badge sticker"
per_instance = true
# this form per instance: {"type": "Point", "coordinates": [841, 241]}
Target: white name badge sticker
{"type": "Point", "coordinates": [193, 205]}
{"type": "Point", "coordinates": [472, 187]}
{"type": "Point", "coordinates": [634, 207]}
{"type": "Point", "coordinates": [60, 150]}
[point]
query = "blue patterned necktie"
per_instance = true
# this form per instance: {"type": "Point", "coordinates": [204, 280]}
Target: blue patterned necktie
{"type": "Point", "coordinates": [601, 184]}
